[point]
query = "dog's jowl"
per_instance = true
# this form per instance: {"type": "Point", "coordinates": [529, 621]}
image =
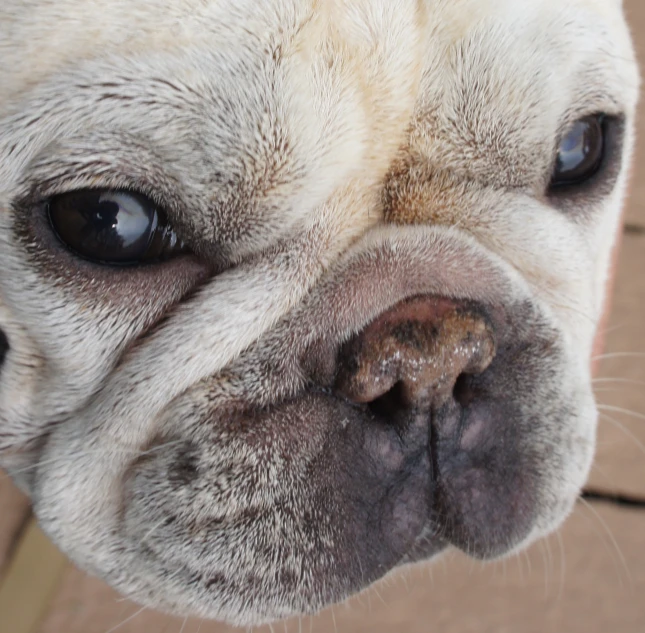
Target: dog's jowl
{"type": "Point", "coordinates": [299, 292]}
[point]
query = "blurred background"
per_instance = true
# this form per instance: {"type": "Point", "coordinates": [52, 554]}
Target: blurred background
{"type": "Point", "coordinates": [588, 578]}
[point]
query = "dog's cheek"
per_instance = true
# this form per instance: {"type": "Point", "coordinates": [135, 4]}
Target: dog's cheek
{"type": "Point", "coordinates": [305, 483]}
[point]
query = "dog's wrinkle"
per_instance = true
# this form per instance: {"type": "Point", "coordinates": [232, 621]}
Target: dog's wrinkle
{"type": "Point", "coordinates": [163, 318]}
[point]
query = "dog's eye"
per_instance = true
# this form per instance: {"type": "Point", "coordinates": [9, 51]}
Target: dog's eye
{"type": "Point", "coordinates": [581, 152]}
{"type": "Point", "coordinates": [112, 227]}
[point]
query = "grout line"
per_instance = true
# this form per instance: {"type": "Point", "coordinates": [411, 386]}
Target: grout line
{"type": "Point", "coordinates": [615, 498]}
{"type": "Point", "coordinates": [633, 229]}
{"type": "Point", "coordinates": [30, 581]}
{"type": "Point", "coordinates": [17, 535]}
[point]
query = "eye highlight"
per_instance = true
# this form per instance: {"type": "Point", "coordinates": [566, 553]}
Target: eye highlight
{"type": "Point", "coordinates": [580, 153]}
{"type": "Point", "coordinates": [112, 227]}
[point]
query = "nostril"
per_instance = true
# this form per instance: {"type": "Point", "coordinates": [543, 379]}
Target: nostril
{"type": "Point", "coordinates": [463, 393]}
{"type": "Point", "coordinates": [386, 407]}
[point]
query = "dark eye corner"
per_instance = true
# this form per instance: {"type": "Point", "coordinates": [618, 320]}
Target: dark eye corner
{"type": "Point", "coordinates": [584, 152]}
{"type": "Point", "coordinates": [113, 227]}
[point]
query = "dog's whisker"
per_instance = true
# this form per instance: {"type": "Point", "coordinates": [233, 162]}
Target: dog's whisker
{"type": "Point", "coordinates": [183, 626]}
{"type": "Point", "coordinates": [549, 554]}
{"type": "Point", "coordinates": [36, 466]}
{"type": "Point", "coordinates": [153, 529]}
{"type": "Point", "coordinates": [570, 308]}
{"type": "Point", "coordinates": [404, 578]}
{"type": "Point", "coordinates": [380, 596]}
{"type": "Point", "coordinates": [529, 564]}
{"type": "Point", "coordinates": [563, 565]}
{"type": "Point", "coordinates": [626, 381]}
{"type": "Point", "coordinates": [128, 619]}
{"type": "Point", "coordinates": [521, 558]}
{"type": "Point", "coordinates": [609, 355]}
{"type": "Point", "coordinates": [89, 453]}
{"type": "Point", "coordinates": [633, 414]}
{"type": "Point", "coordinates": [545, 567]}
{"type": "Point", "coordinates": [615, 328]}
{"type": "Point", "coordinates": [629, 434]}
{"type": "Point", "coordinates": [333, 618]}
{"type": "Point", "coordinates": [613, 541]}
{"type": "Point", "coordinates": [563, 302]}
{"type": "Point", "coordinates": [367, 594]}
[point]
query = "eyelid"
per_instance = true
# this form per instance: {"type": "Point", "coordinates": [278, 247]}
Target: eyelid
{"type": "Point", "coordinates": [58, 186]}
{"type": "Point", "coordinates": [115, 161]}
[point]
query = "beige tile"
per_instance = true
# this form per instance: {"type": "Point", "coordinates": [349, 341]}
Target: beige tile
{"type": "Point", "coordinates": [32, 578]}
{"type": "Point", "coordinates": [620, 387]}
{"type": "Point", "coordinates": [14, 509]}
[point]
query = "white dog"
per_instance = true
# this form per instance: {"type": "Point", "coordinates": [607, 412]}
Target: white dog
{"type": "Point", "coordinates": [293, 292]}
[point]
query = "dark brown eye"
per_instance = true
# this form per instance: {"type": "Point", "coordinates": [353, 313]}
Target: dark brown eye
{"type": "Point", "coordinates": [581, 152]}
{"type": "Point", "coordinates": [112, 227]}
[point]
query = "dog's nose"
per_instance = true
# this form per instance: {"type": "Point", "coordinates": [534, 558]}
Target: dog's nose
{"type": "Point", "coordinates": [411, 357]}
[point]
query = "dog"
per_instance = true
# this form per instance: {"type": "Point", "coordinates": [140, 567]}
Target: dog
{"type": "Point", "coordinates": [296, 292]}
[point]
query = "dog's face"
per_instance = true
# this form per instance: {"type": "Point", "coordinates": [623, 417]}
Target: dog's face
{"type": "Point", "coordinates": [293, 293]}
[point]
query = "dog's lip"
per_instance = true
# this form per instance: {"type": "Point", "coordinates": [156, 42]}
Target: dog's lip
{"type": "Point", "coordinates": [432, 537]}
{"type": "Point", "coordinates": [428, 544]}
{"type": "Point", "coordinates": [435, 531]}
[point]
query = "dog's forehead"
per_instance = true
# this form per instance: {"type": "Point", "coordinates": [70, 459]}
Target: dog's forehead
{"type": "Point", "coordinates": [487, 64]}
{"type": "Point", "coordinates": [39, 37]}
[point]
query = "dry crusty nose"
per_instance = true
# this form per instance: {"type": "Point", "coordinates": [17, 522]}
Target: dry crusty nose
{"type": "Point", "coordinates": [411, 356]}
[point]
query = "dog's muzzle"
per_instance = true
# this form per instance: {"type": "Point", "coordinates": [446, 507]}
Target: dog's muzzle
{"type": "Point", "coordinates": [429, 369]}
{"type": "Point", "coordinates": [420, 397]}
